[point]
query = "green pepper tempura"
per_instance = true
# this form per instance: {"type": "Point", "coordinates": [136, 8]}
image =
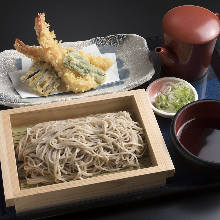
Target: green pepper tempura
{"type": "Point", "coordinates": [174, 97]}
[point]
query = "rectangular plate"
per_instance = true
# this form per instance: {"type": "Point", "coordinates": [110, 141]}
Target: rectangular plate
{"type": "Point", "coordinates": [132, 56]}
{"type": "Point", "coordinates": [185, 179]}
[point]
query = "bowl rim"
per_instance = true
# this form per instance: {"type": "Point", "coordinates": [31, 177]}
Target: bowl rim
{"type": "Point", "coordinates": [161, 112]}
{"type": "Point", "coordinates": [180, 146]}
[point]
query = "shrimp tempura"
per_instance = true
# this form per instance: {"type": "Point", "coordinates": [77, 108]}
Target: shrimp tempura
{"type": "Point", "coordinates": [51, 51]}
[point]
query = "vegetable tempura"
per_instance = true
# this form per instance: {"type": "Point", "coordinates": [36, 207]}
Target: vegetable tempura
{"type": "Point", "coordinates": [79, 71]}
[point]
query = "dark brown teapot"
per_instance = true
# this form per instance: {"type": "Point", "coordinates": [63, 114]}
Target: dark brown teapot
{"type": "Point", "coordinates": [189, 34]}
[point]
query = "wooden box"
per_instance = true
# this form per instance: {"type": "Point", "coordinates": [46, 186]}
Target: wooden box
{"type": "Point", "coordinates": [135, 102]}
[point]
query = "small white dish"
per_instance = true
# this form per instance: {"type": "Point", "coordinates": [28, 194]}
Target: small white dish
{"type": "Point", "coordinates": [157, 86]}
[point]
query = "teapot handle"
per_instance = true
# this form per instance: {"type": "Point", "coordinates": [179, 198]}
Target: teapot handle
{"type": "Point", "coordinates": [217, 14]}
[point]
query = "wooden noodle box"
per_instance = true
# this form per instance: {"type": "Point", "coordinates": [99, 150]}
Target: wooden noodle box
{"type": "Point", "coordinates": [35, 198]}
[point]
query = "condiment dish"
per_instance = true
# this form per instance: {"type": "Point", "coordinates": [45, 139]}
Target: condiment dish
{"type": "Point", "coordinates": [157, 86]}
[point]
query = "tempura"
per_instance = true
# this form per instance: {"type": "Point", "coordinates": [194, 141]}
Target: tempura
{"type": "Point", "coordinates": [51, 51]}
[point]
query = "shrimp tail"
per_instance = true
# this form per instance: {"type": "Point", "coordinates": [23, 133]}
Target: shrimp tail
{"type": "Point", "coordinates": [45, 38]}
{"type": "Point", "coordinates": [38, 23]}
{"type": "Point", "coordinates": [54, 53]}
{"type": "Point", "coordinates": [32, 52]}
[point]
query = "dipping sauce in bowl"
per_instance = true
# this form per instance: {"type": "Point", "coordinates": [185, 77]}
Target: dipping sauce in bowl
{"type": "Point", "coordinates": [195, 132]}
{"type": "Point", "coordinates": [201, 138]}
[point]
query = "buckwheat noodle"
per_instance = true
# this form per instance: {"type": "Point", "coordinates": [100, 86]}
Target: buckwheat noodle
{"type": "Point", "coordinates": [59, 151]}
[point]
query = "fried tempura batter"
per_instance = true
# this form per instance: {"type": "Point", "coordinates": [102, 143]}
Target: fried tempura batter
{"type": "Point", "coordinates": [51, 52]}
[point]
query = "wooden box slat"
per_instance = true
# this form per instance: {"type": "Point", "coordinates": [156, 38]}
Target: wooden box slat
{"type": "Point", "coordinates": [135, 102]}
{"type": "Point", "coordinates": [8, 161]}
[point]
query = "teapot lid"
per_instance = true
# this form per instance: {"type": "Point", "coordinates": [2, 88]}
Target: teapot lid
{"type": "Point", "coordinates": [191, 24]}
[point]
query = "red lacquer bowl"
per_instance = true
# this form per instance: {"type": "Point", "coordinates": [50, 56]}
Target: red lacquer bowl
{"type": "Point", "coordinates": [195, 133]}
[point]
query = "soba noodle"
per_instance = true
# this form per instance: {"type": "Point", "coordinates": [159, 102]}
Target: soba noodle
{"type": "Point", "coordinates": [58, 151]}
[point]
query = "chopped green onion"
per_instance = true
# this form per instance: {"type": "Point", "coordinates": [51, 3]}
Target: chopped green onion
{"type": "Point", "coordinates": [174, 97]}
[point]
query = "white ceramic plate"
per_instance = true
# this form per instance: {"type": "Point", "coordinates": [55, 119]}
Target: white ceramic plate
{"type": "Point", "coordinates": [156, 86]}
{"type": "Point", "coordinates": [132, 55]}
